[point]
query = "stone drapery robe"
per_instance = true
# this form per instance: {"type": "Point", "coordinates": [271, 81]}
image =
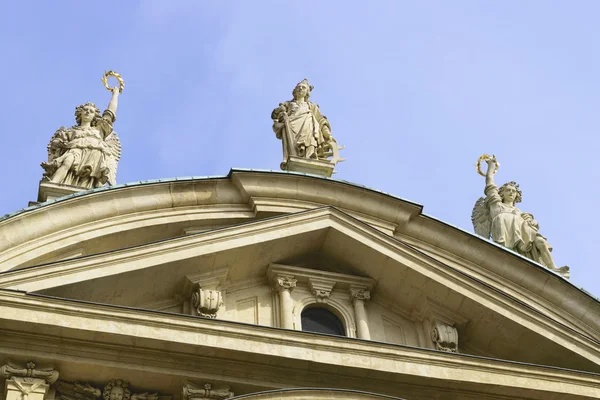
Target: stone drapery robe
{"type": "Point", "coordinates": [509, 227]}
{"type": "Point", "coordinates": [306, 124]}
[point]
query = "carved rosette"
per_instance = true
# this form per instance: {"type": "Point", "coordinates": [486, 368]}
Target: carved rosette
{"type": "Point", "coordinates": [207, 391]}
{"type": "Point", "coordinates": [445, 337]}
{"type": "Point", "coordinates": [207, 302]}
{"type": "Point", "coordinates": [359, 295]}
{"type": "Point", "coordinates": [285, 283]}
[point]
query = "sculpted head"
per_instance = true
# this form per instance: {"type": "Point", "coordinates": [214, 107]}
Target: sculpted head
{"type": "Point", "coordinates": [116, 390]}
{"type": "Point", "coordinates": [87, 112]}
{"type": "Point", "coordinates": [302, 90]}
{"type": "Point", "coordinates": [510, 192]}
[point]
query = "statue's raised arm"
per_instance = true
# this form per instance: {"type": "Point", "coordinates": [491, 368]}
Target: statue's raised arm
{"type": "Point", "coordinates": [86, 155]}
{"type": "Point", "coordinates": [497, 216]}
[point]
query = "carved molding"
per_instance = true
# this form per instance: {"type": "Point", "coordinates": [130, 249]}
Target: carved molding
{"type": "Point", "coordinates": [445, 337]}
{"type": "Point", "coordinates": [30, 370]}
{"type": "Point", "coordinates": [207, 391]}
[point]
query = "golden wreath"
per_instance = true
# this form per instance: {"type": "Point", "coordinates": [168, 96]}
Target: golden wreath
{"type": "Point", "coordinates": [478, 165]}
{"type": "Point", "coordinates": [116, 75]}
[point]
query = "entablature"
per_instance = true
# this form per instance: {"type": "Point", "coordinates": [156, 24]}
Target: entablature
{"type": "Point", "coordinates": [176, 345]}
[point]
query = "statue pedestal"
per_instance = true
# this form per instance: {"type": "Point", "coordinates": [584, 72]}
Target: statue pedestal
{"type": "Point", "coordinates": [309, 166]}
{"type": "Point", "coordinates": [50, 191]}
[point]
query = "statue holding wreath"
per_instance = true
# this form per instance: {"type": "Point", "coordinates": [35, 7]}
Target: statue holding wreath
{"type": "Point", "coordinates": [496, 216]}
{"type": "Point", "coordinates": [86, 155]}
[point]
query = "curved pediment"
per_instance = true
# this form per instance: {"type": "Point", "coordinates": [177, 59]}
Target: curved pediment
{"type": "Point", "coordinates": [140, 245]}
{"type": "Point", "coordinates": [411, 292]}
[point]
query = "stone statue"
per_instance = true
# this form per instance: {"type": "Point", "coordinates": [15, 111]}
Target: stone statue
{"type": "Point", "coordinates": [496, 216]}
{"type": "Point", "coordinates": [86, 155]}
{"type": "Point", "coordinates": [116, 389]}
{"type": "Point", "coordinates": [304, 131]}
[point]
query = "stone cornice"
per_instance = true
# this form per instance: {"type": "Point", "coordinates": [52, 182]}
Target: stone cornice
{"type": "Point", "coordinates": [86, 322]}
{"type": "Point", "coordinates": [71, 271]}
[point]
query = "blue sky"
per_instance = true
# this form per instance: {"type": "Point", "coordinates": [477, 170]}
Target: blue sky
{"type": "Point", "coordinates": [416, 91]}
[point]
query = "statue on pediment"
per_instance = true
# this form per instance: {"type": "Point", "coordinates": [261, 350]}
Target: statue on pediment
{"type": "Point", "coordinates": [86, 155]}
{"type": "Point", "coordinates": [303, 129]}
{"type": "Point", "coordinates": [496, 216]}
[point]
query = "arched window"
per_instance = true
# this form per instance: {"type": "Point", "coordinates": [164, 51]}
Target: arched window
{"type": "Point", "coordinates": [321, 320]}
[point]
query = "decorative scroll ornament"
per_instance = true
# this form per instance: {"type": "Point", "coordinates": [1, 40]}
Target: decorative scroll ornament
{"type": "Point", "coordinates": [445, 337]}
{"type": "Point", "coordinates": [483, 158]}
{"type": "Point", "coordinates": [116, 75]}
{"type": "Point", "coordinates": [30, 370]}
{"type": "Point", "coordinates": [193, 391]}
{"type": "Point", "coordinates": [207, 302]}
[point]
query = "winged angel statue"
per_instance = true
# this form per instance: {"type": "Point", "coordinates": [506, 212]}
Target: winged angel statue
{"type": "Point", "coordinates": [496, 216]}
{"type": "Point", "coordinates": [86, 155]}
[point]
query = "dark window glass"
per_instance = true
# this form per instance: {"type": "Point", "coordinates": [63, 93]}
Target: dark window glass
{"type": "Point", "coordinates": [322, 321]}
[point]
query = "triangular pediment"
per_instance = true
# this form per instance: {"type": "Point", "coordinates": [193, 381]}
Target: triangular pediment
{"type": "Point", "coordinates": [411, 290]}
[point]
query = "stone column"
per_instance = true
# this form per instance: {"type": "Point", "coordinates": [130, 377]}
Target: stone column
{"type": "Point", "coordinates": [358, 298]}
{"type": "Point", "coordinates": [284, 286]}
{"type": "Point", "coordinates": [27, 382]}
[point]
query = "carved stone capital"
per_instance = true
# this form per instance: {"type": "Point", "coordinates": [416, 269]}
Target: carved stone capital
{"type": "Point", "coordinates": [359, 294]}
{"type": "Point", "coordinates": [207, 391]}
{"type": "Point", "coordinates": [285, 283]}
{"type": "Point", "coordinates": [29, 370]}
{"type": "Point", "coordinates": [444, 337]}
{"type": "Point", "coordinates": [207, 302]}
